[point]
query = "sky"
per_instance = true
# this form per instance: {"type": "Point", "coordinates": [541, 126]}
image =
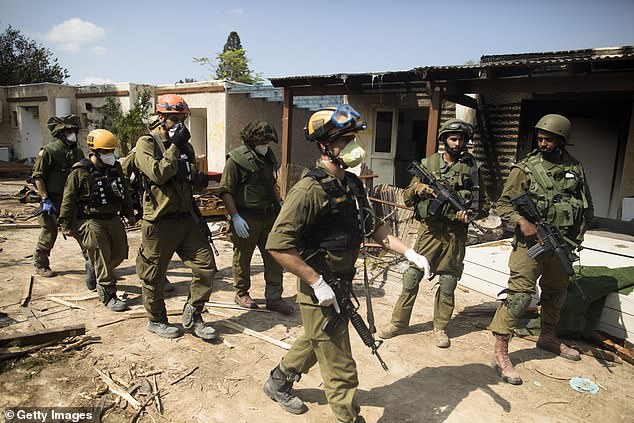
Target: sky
{"type": "Point", "coordinates": [154, 42]}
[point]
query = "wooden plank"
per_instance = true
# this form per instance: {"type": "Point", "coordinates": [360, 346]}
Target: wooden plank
{"type": "Point", "coordinates": [26, 99]}
{"type": "Point", "coordinates": [96, 94]}
{"type": "Point", "coordinates": [32, 318]}
{"type": "Point", "coordinates": [247, 331]}
{"type": "Point", "coordinates": [118, 390]}
{"type": "Point", "coordinates": [287, 125]}
{"type": "Point", "coordinates": [434, 120]}
{"type": "Point", "coordinates": [66, 303]}
{"type": "Point", "coordinates": [42, 336]}
{"type": "Point", "coordinates": [19, 225]}
{"type": "Point", "coordinates": [27, 291]}
{"type": "Point", "coordinates": [190, 90]}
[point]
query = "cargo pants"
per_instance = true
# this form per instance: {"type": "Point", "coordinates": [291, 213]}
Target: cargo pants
{"type": "Point", "coordinates": [159, 241]}
{"type": "Point", "coordinates": [260, 225]}
{"type": "Point", "coordinates": [442, 242]}
{"type": "Point", "coordinates": [524, 273]}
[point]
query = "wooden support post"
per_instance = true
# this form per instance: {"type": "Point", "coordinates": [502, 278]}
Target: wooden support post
{"type": "Point", "coordinates": [434, 120]}
{"type": "Point", "coordinates": [287, 125]}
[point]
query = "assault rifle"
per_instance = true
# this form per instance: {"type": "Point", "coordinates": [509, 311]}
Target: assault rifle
{"type": "Point", "coordinates": [348, 304]}
{"type": "Point", "coordinates": [202, 225]}
{"type": "Point", "coordinates": [549, 235]}
{"type": "Point", "coordinates": [444, 194]}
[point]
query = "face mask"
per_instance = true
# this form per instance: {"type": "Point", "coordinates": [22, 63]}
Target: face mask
{"type": "Point", "coordinates": [171, 132]}
{"type": "Point", "coordinates": [72, 137]}
{"type": "Point", "coordinates": [352, 154]}
{"type": "Point", "coordinates": [261, 149]}
{"type": "Point", "coordinates": [108, 159]}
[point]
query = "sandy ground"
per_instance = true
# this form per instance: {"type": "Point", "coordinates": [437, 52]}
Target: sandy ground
{"type": "Point", "coordinates": [424, 383]}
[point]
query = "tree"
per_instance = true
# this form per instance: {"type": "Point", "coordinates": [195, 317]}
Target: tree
{"type": "Point", "coordinates": [185, 81]}
{"type": "Point", "coordinates": [23, 61]}
{"type": "Point", "coordinates": [127, 127]}
{"type": "Point", "coordinates": [232, 64]}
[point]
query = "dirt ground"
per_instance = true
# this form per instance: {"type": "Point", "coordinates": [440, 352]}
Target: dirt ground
{"type": "Point", "coordinates": [423, 383]}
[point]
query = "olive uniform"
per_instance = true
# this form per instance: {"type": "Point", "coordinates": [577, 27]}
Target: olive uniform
{"type": "Point", "coordinates": [441, 238]}
{"type": "Point", "coordinates": [313, 218]}
{"type": "Point", "coordinates": [562, 196]}
{"type": "Point", "coordinates": [168, 225]}
{"type": "Point", "coordinates": [241, 178]}
{"type": "Point", "coordinates": [93, 197]}
{"type": "Point", "coordinates": [53, 166]}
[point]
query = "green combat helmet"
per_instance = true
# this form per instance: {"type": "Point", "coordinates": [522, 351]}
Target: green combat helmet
{"type": "Point", "coordinates": [456, 125]}
{"type": "Point", "coordinates": [258, 130]}
{"type": "Point", "coordinates": [57, 125]}
{"type": "Point", "coordinates": [555, 124]}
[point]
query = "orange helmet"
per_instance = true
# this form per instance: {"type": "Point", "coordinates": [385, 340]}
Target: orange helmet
{"type": "Point", "coordinates": [171, 103]}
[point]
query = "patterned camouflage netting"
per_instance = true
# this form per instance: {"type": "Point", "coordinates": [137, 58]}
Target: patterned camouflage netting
{"type": "Point", "coordinates": [57, 124]}
{"type": "Point", "coordinates": [258, 130]}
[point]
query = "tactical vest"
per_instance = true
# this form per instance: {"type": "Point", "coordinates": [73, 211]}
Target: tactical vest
{"type": "Point", "coordinates": [63, 158]}
{"type": "Point", "coordinates": [106, 186]}
{"type": "Point", "coordinates": [558, 193]}
{"type": "Point", "coordinates": [462, 176]}
{"type": "Point", "coordinates": [338, 228]}
{"type": "Point", "coordinates": [251, 193]}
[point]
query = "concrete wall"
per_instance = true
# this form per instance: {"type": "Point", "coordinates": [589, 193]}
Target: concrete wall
{"type": "Point", "coordinates": [241, 109]}
{"type": "Point", "coordinates": [627, 176]}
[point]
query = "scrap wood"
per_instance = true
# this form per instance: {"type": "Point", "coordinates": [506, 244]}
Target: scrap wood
{"type": "Point", "coordinates": [9, 353]}
{"type": "Point", "coordinates": [32, 318]}
{"type": "Point", "coordinates": [585, 349]}
{"type": "Point", "coordinates": [75, 297]}
{"type": "Point", "coordinates": [235, 307]}
{"type": "Point", "coordinates": [178, 379]}
{"type": "Point", "coordinates": [551, 376]}
{"type": "Point", "coordinates": [622, 352]}
{"type": "Point", "coordinates": [83, 341]}
{"type": "Point", "coordinates": [19, 225]}
{"type": "Point", "coordinates": [158, 403]}
{"type": "Point", "coordinates": [142, 407]}
{"type": "Point", "coordinates": [247, 331]}
{"type": "Point", "coordinates": [42, 336]}
{"type": "Point", "coordinates": [127, 315]}
{"type": "Point", "coordinates": [118, 390]}
{"type": "Point", "coordinates": [27, 292]}
{"type": "Point", "coordinates": [66, 303]}
{"type": "Point", "coordinates": [553, 402]}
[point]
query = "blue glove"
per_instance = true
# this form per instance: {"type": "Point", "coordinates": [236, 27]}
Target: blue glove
{"type": "Point", "coordinates": [240, 225]}
{"type": "Point", "coordinates": [49, 207]}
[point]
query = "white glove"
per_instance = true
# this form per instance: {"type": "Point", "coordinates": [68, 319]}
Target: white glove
{"type": "Point", "coordinates": [418, 261]}
{"type": "Point", "coordinates": [324, 293]}
{"type": "Point", "coordinates": [240, 225]}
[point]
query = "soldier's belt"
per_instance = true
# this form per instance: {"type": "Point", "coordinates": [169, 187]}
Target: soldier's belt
{"type": "Point", "coordinates": [176, 216]}
{"type": "Point", "coordinates": [256, 211]}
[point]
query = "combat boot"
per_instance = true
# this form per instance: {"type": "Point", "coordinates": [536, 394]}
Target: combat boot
{"type": "Point", "coordinates": [45, 272]}
{"type": "Point", "coordinates": [501, 361]}
{"type": "Point", "coordinates": [279, 387]}
{"type": "Point", "coordinates": [548, 341]}
{"type": "Point", "coordinates": [108, 296]}
{"type": "Point", "coordinates": [280, 306]}
{"type": "Point", "coordinates": [390, 331]}
{"type": "Point", "coordinates": [359, 419]}
{"type": "Point", "coordinates": [163, 329]}
{"type": "Point", "coordinates": [193, 322]}
{"type": "Point", "coordinates": [442, 340]}
{"type": "Point", "coordinates": [91, 278]}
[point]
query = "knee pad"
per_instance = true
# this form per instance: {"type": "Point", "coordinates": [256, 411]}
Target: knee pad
{"type": "Point", "coordinates": [411, 278]}
{"type": "Point", "coordinates": [517, 303]}
{"type": "Point", "coordinates": [447, 284]}
{"type": "Point", "coordinates": [188, 316]}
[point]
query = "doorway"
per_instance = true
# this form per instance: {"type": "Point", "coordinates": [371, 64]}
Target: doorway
{"type": "Point", "coordinates": [30, 131]}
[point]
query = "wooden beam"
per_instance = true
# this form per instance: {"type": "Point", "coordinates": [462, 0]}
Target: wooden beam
{"type": "Point", "coordinates": [544, 84]}
{"type": "Point", "coordinates": [287, 125]}
{"type": "Point", "coordinates": [41, 336]}
{"type": "Point", "coordinates": [434, 120]}
{"type": "Point", "coordinates": [121, 93]}
{"type": "Point", "coordinates": [25, 99]}
{"type": "Point", "coordinates": [190, 90]}
{"type": "Point", "coordinates": [463, 100]}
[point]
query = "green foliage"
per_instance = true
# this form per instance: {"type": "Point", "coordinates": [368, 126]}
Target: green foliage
{"type": "Point", "coordinates": [23, 61]}
{"type": "Point", "coordinates": [127, 127]}
{"type": "Point", "coordinates": [232, 64]}
{"type": "Point", "coordinates": [185, 81]}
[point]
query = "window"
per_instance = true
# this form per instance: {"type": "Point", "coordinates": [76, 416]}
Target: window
{"type": "Point", "coordinates": [383, 137]}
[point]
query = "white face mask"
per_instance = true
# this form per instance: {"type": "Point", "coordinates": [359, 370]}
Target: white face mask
{"type": "Point", "coordinates": [108, 159]}
{"type": "Point", "coordinates": [261, 149]}
{"type": "Point", "coordinates": [171, 132]}
{"type": "Point", "coordinates": [72, 137]}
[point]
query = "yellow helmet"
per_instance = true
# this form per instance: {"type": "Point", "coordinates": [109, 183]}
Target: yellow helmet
{"type": "Point", "coordinates": [326, 125]}
{"type": "Point", "coordinates": [102, 139]}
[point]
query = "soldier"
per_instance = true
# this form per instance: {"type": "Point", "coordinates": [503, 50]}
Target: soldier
{"type": "Point", "coordinates": [442, 236]}
{"type": "Point", "coordinates": [94, 195]}
{"type": "Point", "coordinates": [322, 213]}
{"type": "Point", "coordinates": [558, 187]}
{"type": "Point", "coordinates": [251, 197]}
{"type": "Point", "coordinates": [166, 160]}
{"type": "Point", "coordinates": [49, 175]}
